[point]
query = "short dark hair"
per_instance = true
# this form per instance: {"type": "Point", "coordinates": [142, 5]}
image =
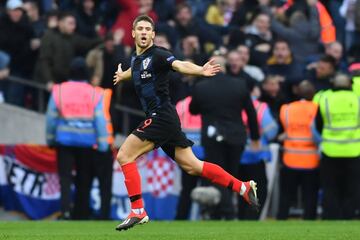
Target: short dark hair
{"type": "Point", "coordinates": [78, 69]}
{"type": "Point", "coordinates": [329, 59]}
{"type": "Point", "coordinates": [145, 18]}
{"type": "Point", "coordinates": [182, 5]}
{"type": "Point", "coordinates": [281, 40]}
{"type": "Point", "coordinates": [63, 15]}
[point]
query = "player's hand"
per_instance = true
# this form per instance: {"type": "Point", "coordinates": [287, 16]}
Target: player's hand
{"type": "Point", "coordinates": [211, 68]}
{"type": "Point", "coordinates": [118, 75]}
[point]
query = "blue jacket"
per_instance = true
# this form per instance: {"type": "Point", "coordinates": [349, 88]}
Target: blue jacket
{"type": "Point", "coordinates": [269, 130]}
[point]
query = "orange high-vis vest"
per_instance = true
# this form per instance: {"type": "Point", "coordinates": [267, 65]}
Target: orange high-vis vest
{"type": "Point", "coordinates": [300, 151]}
{"type": "Point", "coordinates": [188, 121]}
{"type": "Point", "coordinates": [109, 126]}
{"type": "Point", "coordinates": [328, 30]}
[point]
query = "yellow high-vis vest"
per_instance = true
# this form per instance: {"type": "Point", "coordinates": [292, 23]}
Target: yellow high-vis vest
{"type": "Point", "coordinates": [340, 111]}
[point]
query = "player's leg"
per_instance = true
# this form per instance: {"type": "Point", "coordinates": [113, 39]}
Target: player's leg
{"type": "Point", "coordinates": [193, 166]}
{"type": "Point", "coordinates": [131, 149]}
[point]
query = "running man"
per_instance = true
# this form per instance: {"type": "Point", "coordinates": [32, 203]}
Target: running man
{"type": "Point", "coordinates": [150, 66]}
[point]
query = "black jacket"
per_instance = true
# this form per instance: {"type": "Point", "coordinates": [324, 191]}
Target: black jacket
{"type": "Point", "coordinates": [220, 101]}
{"type": "Point", "coordinates": [56, 52]}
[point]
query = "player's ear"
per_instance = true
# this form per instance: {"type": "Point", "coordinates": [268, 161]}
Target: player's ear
{"type": "Point", "coordinates": [133, 33]}
{"type": "Point", "coordinates": [153, 35]}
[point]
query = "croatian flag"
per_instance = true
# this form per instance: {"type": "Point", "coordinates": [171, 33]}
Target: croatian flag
{"type": "Point", "coordinates": [28, 180]}
{"type": "Point", "coordinates": [161, 185]}
{"type": "Point", "coordinates": [29, 184]}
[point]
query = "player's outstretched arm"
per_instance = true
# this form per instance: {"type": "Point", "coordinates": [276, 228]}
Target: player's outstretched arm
{"type": "Point", "coordinates": [208, 69]}
{"type": "Point", "coordinates": [120, 75]}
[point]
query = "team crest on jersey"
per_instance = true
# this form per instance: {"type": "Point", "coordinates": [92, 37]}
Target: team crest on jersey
{"type": "Point", "coordinates": [146, 62]}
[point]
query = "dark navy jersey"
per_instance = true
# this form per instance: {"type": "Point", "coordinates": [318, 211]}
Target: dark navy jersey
{"type": "Point", "coordinates": [150, 72]}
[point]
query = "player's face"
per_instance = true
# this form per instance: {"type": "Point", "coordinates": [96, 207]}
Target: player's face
{"type": "Point", "coordinates": [144, 34]}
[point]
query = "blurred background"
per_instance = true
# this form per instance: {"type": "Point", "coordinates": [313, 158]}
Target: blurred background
{"type": "Point", "coordinates": [285, 52]}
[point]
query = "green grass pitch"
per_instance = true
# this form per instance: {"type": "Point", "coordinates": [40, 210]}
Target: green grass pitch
{"type": "Point", "coordinates": [156, 230]}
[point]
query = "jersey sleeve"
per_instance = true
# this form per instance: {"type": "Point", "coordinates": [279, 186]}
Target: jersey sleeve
{"type": "Point", "coordinates": [166, 58]}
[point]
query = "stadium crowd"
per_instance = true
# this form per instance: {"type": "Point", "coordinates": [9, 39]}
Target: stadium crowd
{"type": "Point", "coordinates": [272, 46]}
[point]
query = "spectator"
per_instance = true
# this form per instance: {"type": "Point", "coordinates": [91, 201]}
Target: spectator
{"type": "Point", "coordinates": [15, 39]}
{"type": "Point", "coordinates": [37, 22]}
{"type": "Point", "coordinates": [300, 159]}
{"type": "Point", "coordinates": [321, 72]}
{"type": "Point", "coordinates": [253, 71]}
{"type": "Point", "coordinates": [327, 29]}
{"type": "Point", "coordinates": [347, 10]}
{"type": "Point", "coordinates": [104, 58]}
{"type": "Point", "coordinates": [87, 19]}
{"type": "Point", "coordinates": [283, 64]}
{"type": "Point", "coordinates": [186, 24]}
{"type": "Point", "coordinates": [335, 49]}
{"type": "Point", "coordinates": [272, 95]}
{"type": "Point", "coordinates": [74, 124]}
{"type": "Point", "coordinates": [235, 67]}
{"type": "Point", "coordinates": [219, 100]}
{"type": "Point", "coordinates": [52, 19]}
{"type": "Point", "coordinates": [259, 38]}
{"type": "Point", "coordinates": [38, 26]}
{"type": "Point", "coordinates": [303, 34]}
{"type": "Point", "coordinates": [159, 7]}
{"type": "Point", "coordinates": [58, 47]}
{"type": "Point", "coordinates": [221, 12]}
{"type": "Point", "coordinates": [337, 121]}
{"type": "Point", "coordinates": [190, 48]}
{"type": "Point", "coordinates": [245, 12]}
{"type": "Point", "coordinates": [252, 163]}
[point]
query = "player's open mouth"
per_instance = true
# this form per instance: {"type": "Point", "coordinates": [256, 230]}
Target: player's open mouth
{"type": "Point", "coordinates": [143, 39]}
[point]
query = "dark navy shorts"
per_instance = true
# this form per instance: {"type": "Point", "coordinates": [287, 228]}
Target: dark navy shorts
{"type": "Point", "coordinates": [163, 128]}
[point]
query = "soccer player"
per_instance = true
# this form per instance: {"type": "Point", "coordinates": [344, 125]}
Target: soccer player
{"type": "Point", "coordinates": [149, 69]}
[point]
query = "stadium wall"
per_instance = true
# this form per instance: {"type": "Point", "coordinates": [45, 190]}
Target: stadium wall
{"type": "Point", "coordinates": [19, 126]}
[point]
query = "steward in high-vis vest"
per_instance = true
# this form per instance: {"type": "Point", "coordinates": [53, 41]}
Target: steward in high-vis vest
{"type": "Point", "coordinates": [338, 121]}
{"type": "Point", "coordinates": [354, 70]}
{"type": "Point", "coordinates": [300, 153]}
{"type": "Point", "coordinates": [191, 126]}
{"type": "Point", "coordinates": [75, 125]}
{"type": "Point", "coordinates": [102, 167]}
{"type": "Point", "coordinates": [252, 163]}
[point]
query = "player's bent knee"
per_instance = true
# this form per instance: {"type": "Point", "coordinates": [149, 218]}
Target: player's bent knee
{"type": "Point", "coordinates": [192, 170]}
{"type": "Point", "coordinates": [123, 158]}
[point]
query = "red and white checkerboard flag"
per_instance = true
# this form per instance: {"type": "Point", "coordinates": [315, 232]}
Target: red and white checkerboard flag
{"type": "Point", "coordinates": [160, 175]}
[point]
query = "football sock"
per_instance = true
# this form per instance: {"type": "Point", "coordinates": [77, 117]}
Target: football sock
{"type": "Point", "coordinates": [133, 184]}
{"type": "Point", "coordinates": [138, 210]}
{"type": "Point", "coordinates": [219, 176]}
